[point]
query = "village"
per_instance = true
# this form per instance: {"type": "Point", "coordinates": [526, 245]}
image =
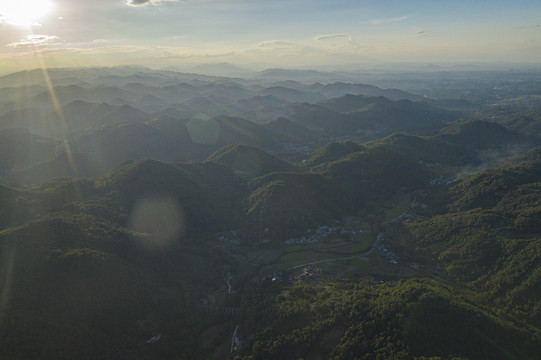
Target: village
{"type": "Point", "coordinates": [322, 232]}
{"type": "Point", "coordinates": [341, 250]}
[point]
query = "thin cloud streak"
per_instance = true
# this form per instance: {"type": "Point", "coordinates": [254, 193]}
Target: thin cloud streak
{"type": "Point", "coordinates": [330, 36]}
{"type": "Point", "coordinates": [388, 20]}
{"type": "Point", "coordinates": [537, 26]}
{"type": "Point", "coordinates": [274, 44]}
{"type": "Point", "coordinates": [33, 40]}
{"type": "Point", "coordinates": [146, 2]}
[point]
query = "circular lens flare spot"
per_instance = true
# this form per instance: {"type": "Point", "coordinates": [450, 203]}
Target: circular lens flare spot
{"type": "Point", "coordinates": [203, 130]}
{"type": "Point", "coordinates": [247, 165]}
{"type": "Point", "coordinates": [161, 218]}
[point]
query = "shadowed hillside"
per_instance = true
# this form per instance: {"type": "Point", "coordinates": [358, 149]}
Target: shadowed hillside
{"type": "Point", "coordinates": [249, 162]}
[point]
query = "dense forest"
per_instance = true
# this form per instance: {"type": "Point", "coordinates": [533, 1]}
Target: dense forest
{"type": "Point", "coordinates": [344, 221]}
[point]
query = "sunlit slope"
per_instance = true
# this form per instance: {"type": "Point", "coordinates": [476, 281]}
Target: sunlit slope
{"type": "Point", "coordinates": [331, 152]}
{"type": "Point", "coordinates": [489, 239]}
{"type": "Point", "coordinates": [346, 184]}
{"type": "Point", "coordinates": [249, 161]}
{"type": "Point", "coordinates": [478, 135]}
{"type": "Point", "coordinates": [459, 143]}
{"type": "Point", "coordinates": [107, 263]}
{"type": "Point", "coordinates": [404, 319]}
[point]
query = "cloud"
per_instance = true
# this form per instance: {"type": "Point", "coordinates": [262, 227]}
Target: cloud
{"type": "Point", "coordinates": [275, 44]}
{"type": "Point", "coordinates": [420, 33]}
{"type": "Point", "coordinates": [330, 36]}
{"type": "Point", "coordinates": [32, 40]}
{"type": "Point", "coordinates": [387, 20]}
{"type": "Point", "coordinates": [273, 49]}
{"type": "Point", "coordinates": [140, 2]}
{"type": "Point", "coordinates": [529, 27]}
{"type": "Point", "coordinates": [146, 2]}
{"type": "Point", "coordinates": [101, 41]}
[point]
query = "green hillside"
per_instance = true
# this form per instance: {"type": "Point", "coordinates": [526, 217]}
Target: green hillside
{"type": "Point", "coordinates": [281, 204]}
{"type": "Point", "coordinates": [489, 239]}
{"type": "Point", "coordinates": [478, 134]}
{"type": "Point", "coordinates": [411, 319]}
{"type": "Point", "coordinates": [249, 162]}
{"type": "Point", "coordinates": [459, 143]}
{"type": "Point", "coordinates": [96, 268]}
{"type": "Point", "coordinates": [377, 170]}
{"type": "Point", "coordinates": [528, 124]}
{"type": "Point", "coordinates": [290, 131]}
{"type": "Point", "coordinates": [330, 152]}
{"type": "Point", "coordinates": [488, 252]}
{"type": "Point", "coordinates": [427, 149]}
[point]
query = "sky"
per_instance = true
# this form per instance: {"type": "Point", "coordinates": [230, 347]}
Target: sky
{"type": "Point", "coordinates": [266, 33]}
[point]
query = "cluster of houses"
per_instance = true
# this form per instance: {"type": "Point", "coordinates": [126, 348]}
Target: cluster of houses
{"type": "Point", "coordinates": [309, 272]}
{"type": "Point", "coordinates": [231, 237]}
{"type": "Point", "coordinates": [278, 277]}
{"type": "Point", "coordinates": [440, 180]}
{"type": "Point", "coordinates": [416, 203]}
{"type": "Point", "coordinates": [322, 232]}
{"type": "Point", "coordinates": [392, 257]}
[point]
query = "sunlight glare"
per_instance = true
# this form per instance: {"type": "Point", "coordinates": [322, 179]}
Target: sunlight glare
{"type": "Point", "coordinates": [24, 13]}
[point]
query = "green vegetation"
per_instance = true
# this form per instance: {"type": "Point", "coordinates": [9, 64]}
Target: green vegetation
{"type": "Point", "coordinates": [332, 152]}
{"type": "Point", "coordinates": [249, 162]}
{"type": "Point", "coordinates": [366, 238]}
{"type": "Point", "coordinates": [155, 227]}
{"type": "Point", "coordinates": [490, 238]}
{"type": "Point", "coordinates": [186, 252]}
{"type": "Point", "coordinates": [401, 206]}
{"type": "Point", "coordinates": [76, 267]}
{"type": "Point", "coordinates": [404, 319]}
{"type": "Point", "coordinates": [456, 144]}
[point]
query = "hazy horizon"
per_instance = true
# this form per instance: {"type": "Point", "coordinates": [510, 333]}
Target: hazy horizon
{"type": "Point", "coordinates": [258, 35]}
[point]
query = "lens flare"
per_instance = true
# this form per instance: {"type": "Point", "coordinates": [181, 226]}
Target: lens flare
{"type": "Point", "coordinates": [247, 165]}
{"type": "Point", "coordinates": [161, 218]}
{"type": "Point", "coordinates": [24, 13]}
{"type": "Point", "coordinates": [203, 130]}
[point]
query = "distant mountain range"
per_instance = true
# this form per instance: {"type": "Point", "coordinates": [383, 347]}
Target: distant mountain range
{"type": "Point", "coordinates": [101, 117]}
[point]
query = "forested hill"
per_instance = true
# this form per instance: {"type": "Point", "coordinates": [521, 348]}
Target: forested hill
{"type": "Point", "coordinates": [153, 214]}
{"type": "Point", "coordinates": [105, 264]}
{"type": "Point", "coordinates": [483, 299]}
{"type": "Point", "coordinates": [489, 239]}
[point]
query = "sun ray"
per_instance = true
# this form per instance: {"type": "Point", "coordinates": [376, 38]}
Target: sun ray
{"type": "Point", "coordinates": [60, 114]}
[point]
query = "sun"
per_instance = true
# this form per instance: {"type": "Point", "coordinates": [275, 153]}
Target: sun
{"type": "Point", "coordinates": [24, 13]}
